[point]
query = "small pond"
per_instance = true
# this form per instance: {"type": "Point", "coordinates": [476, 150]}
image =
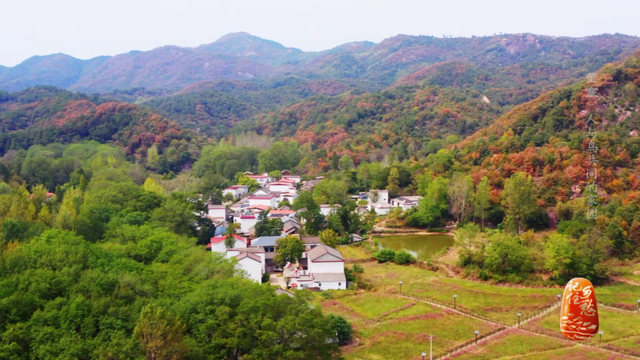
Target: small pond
{"type": "Point", "coordinates": [422, 247]}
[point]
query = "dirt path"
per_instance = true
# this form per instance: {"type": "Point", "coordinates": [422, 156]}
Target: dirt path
{"type": "Point", "coordinates": [626, 281]}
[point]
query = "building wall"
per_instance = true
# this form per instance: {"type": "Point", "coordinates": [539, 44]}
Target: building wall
{"type": "Point", "coordinates": [331, 285]}
{"type": "Point", "coordinates": [326, 267]}
{"type": "Point", "coordinates": [219, 247]}
{"type": "Point", "coordinates": [271, 202]}
{"type": "Point", "coordinates": [253, 269]}
{"type": "Point", "coordinates": [218, 213]}
{"type": "Point", "coordinates": [246, 224]}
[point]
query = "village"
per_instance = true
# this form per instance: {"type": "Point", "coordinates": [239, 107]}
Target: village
{"type": "Point", "coordinates": [319, 266]}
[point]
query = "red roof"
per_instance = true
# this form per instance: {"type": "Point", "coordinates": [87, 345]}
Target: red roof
{"type": "Point", "coordinates": [247, 217]}
{"type": "Point", "coordinates": [219, 239]}
{"type": "Point", "coordinates": [262, 197]}
{"type": "Point", "coordinates": [259, 207]}
{"type": "Point", "coordinates": [283, 212]}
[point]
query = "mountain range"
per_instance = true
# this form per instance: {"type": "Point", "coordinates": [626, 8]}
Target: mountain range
{"type": "Point", "coordinates": [241, 56]}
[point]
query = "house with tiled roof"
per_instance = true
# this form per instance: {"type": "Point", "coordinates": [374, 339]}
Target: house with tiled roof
{"type": "Point", "coordinates": [261, 179]}
{"type": "Point", "coordinates": [406, 202]}
{"type": "Point", "coordinates": [236, 191]}
{"type": "Point", "coordinates": [217, 243]}
{"type": "Point", "coordinates": [327, 209]}
{"type": "Point", "coordinates": [250, 262]}
{"type": "Point", "coordinates": [267, 200]}
{"type": "Point", "coordinates": [325, 270]}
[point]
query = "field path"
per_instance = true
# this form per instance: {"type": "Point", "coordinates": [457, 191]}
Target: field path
{"type": "Point", "coordinates": [519, 327]}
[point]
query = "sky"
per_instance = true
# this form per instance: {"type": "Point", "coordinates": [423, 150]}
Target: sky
{"type": "Point", "coordinates": [85, 29]}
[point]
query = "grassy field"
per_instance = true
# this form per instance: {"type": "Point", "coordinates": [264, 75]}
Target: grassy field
{"type": "Point", "coordinates": [513, 343]}
{"type": "Point", "coordinates": [354, 251]}
{"type": "Point", "coordinates": [621, 329]}
{"type": "Point", "coordinates": [391, 327]}
{"type": "Point", "coordinates": [497, 302]}
{"type": "Point", "coordinates": [379, 319]}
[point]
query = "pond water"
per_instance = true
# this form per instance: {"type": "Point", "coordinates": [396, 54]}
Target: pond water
{"type": "Point", "coordinates": [422, 247]}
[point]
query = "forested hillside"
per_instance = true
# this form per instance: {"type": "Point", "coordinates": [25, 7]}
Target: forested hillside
{"type": "Point", "coordinates": [242, 56]}
{"type": "Point", "coordinates": [107, 268]}
{"type": "Point", "coordinates": [44, 115]}
{"type": "Point", "coordinates": [212, 108]}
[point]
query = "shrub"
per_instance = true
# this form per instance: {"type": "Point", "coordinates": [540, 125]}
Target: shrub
{"type": "Point", "coordinates": [403, 257]}
{"type": "Point", "coordinates": [358, 269]}
{"type": "Point", "coordinates": [385, 255]}
{"type": "Point", "coordinates": [265, 278]}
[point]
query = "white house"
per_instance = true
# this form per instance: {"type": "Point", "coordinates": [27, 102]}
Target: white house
{"type": "Point", "coordinates": [247, 221]}
{"type": "Point", "coordinates": [217, 212]}
{"type": "Point", "coordinates": [326, 265]}
{"type": "Point", "coordinates": [380, 196]}
{"type": "Point", "coordinates": [355, 237]}
{"type": "Point", "coordinates": [256, 250]}
{"type": "Point", "coordinates": [295, 178]}
{"type": "Point", "coordinates": [380, 208]}
{"type": "Point", "coordinates": [236, 190]}
{"type": "Point", "coordinates": [267, 200]}
{"type": "Point", "coordinates": [261, 179]}
{"type": "Point", "coordinates": [281, 186]}
{"type": "Point", "coordinates": [326, 209]}
{"type": "Point", "coordinates": [406, 202]}
{"type": "Point", "coordinates": [217, 243]}
{"type": "Point", "coordinates": [251, 264]}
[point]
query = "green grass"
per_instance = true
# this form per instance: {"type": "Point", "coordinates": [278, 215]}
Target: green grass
{"type": "Point", "coordinates": [512, 343]}
{"type": "Point", "coordinates": [572, 353]}
{"type": "Point", "coordinates": [623, 295]}
{"type": "Point", "coordinates": [406, 338]}
{"type": "Point", "coordinates": [404, 333]}
{"type": "Point", "coordinates": [497, 302]}
{"type": "Point", "coordinates": [372, 305]}
{"type": "Point", "coordinates": [618, 327]}
{"type": "Point", "coordinates": [354, 251]}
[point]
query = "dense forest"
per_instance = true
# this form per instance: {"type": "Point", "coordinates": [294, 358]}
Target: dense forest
{"type": "Point", "coordinates": [108, 267]}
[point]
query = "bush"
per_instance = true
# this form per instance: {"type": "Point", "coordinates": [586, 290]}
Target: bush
{"type": "Point", "coordinates": [358, 269]}
{"type": "Point", "coordinates": [402, 257]}
{"type": "Point", "coordinates": [385, 255]}
{"type": "Point", "coordinates": [265, 278]}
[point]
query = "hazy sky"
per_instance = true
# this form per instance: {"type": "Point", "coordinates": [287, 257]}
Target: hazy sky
{"type": "Point", "coordinates": [85, 28]}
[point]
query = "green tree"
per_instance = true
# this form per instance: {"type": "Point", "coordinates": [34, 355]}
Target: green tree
{"type": "Point", "coordinates": [330, 192]}
{"type": "Point", "coordinates": [152, 186]}
{"type": "Point", "coordinates": [559, 255]}
{"type": "Point", "coordinates": [346, 163]}
{"type": "Point", "coordinates": [431, 209]}
{"type": "Point", "coordinates": [267, 227]}
{"type": "Point", "coordinates": [518, 198]}
{"type": "Point", "coordinates": [342, 328]}
{"type": "Point", "coordinates": [506, 255]}
{"type": "Point", "coordinates": [385, 255]}
{"type": "Point", "coordinates": [328, 237]}
{"type": "Point", "coordinates": [289, 249]}
{"type": "Point", "coordinates": [252, 183]}
{"type": "Point", "coordinates": [229, 238]}
{"type": "Point", "coordinates": [393, 182]}
{"type": "Point", "coordinates": [459, 194]}
{"type": "Point", "coordinates": [467, 239]}
{"type": "Point", "coordinates": [160, 333]}
{"type": "Point", "coordinates": [481, 199]}
{"type": "Point", "coordinates": [403, 257]}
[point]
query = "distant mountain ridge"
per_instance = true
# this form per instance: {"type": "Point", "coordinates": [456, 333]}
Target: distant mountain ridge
{"type": "Point", "coordinates": [241, 56]}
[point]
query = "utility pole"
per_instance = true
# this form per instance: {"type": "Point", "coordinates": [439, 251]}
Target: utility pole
{"type": "Point", "coordinates": [431, 347]}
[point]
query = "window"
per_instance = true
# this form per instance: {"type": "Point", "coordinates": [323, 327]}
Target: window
{"type": "Point", "coordinates": [339, 284]}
